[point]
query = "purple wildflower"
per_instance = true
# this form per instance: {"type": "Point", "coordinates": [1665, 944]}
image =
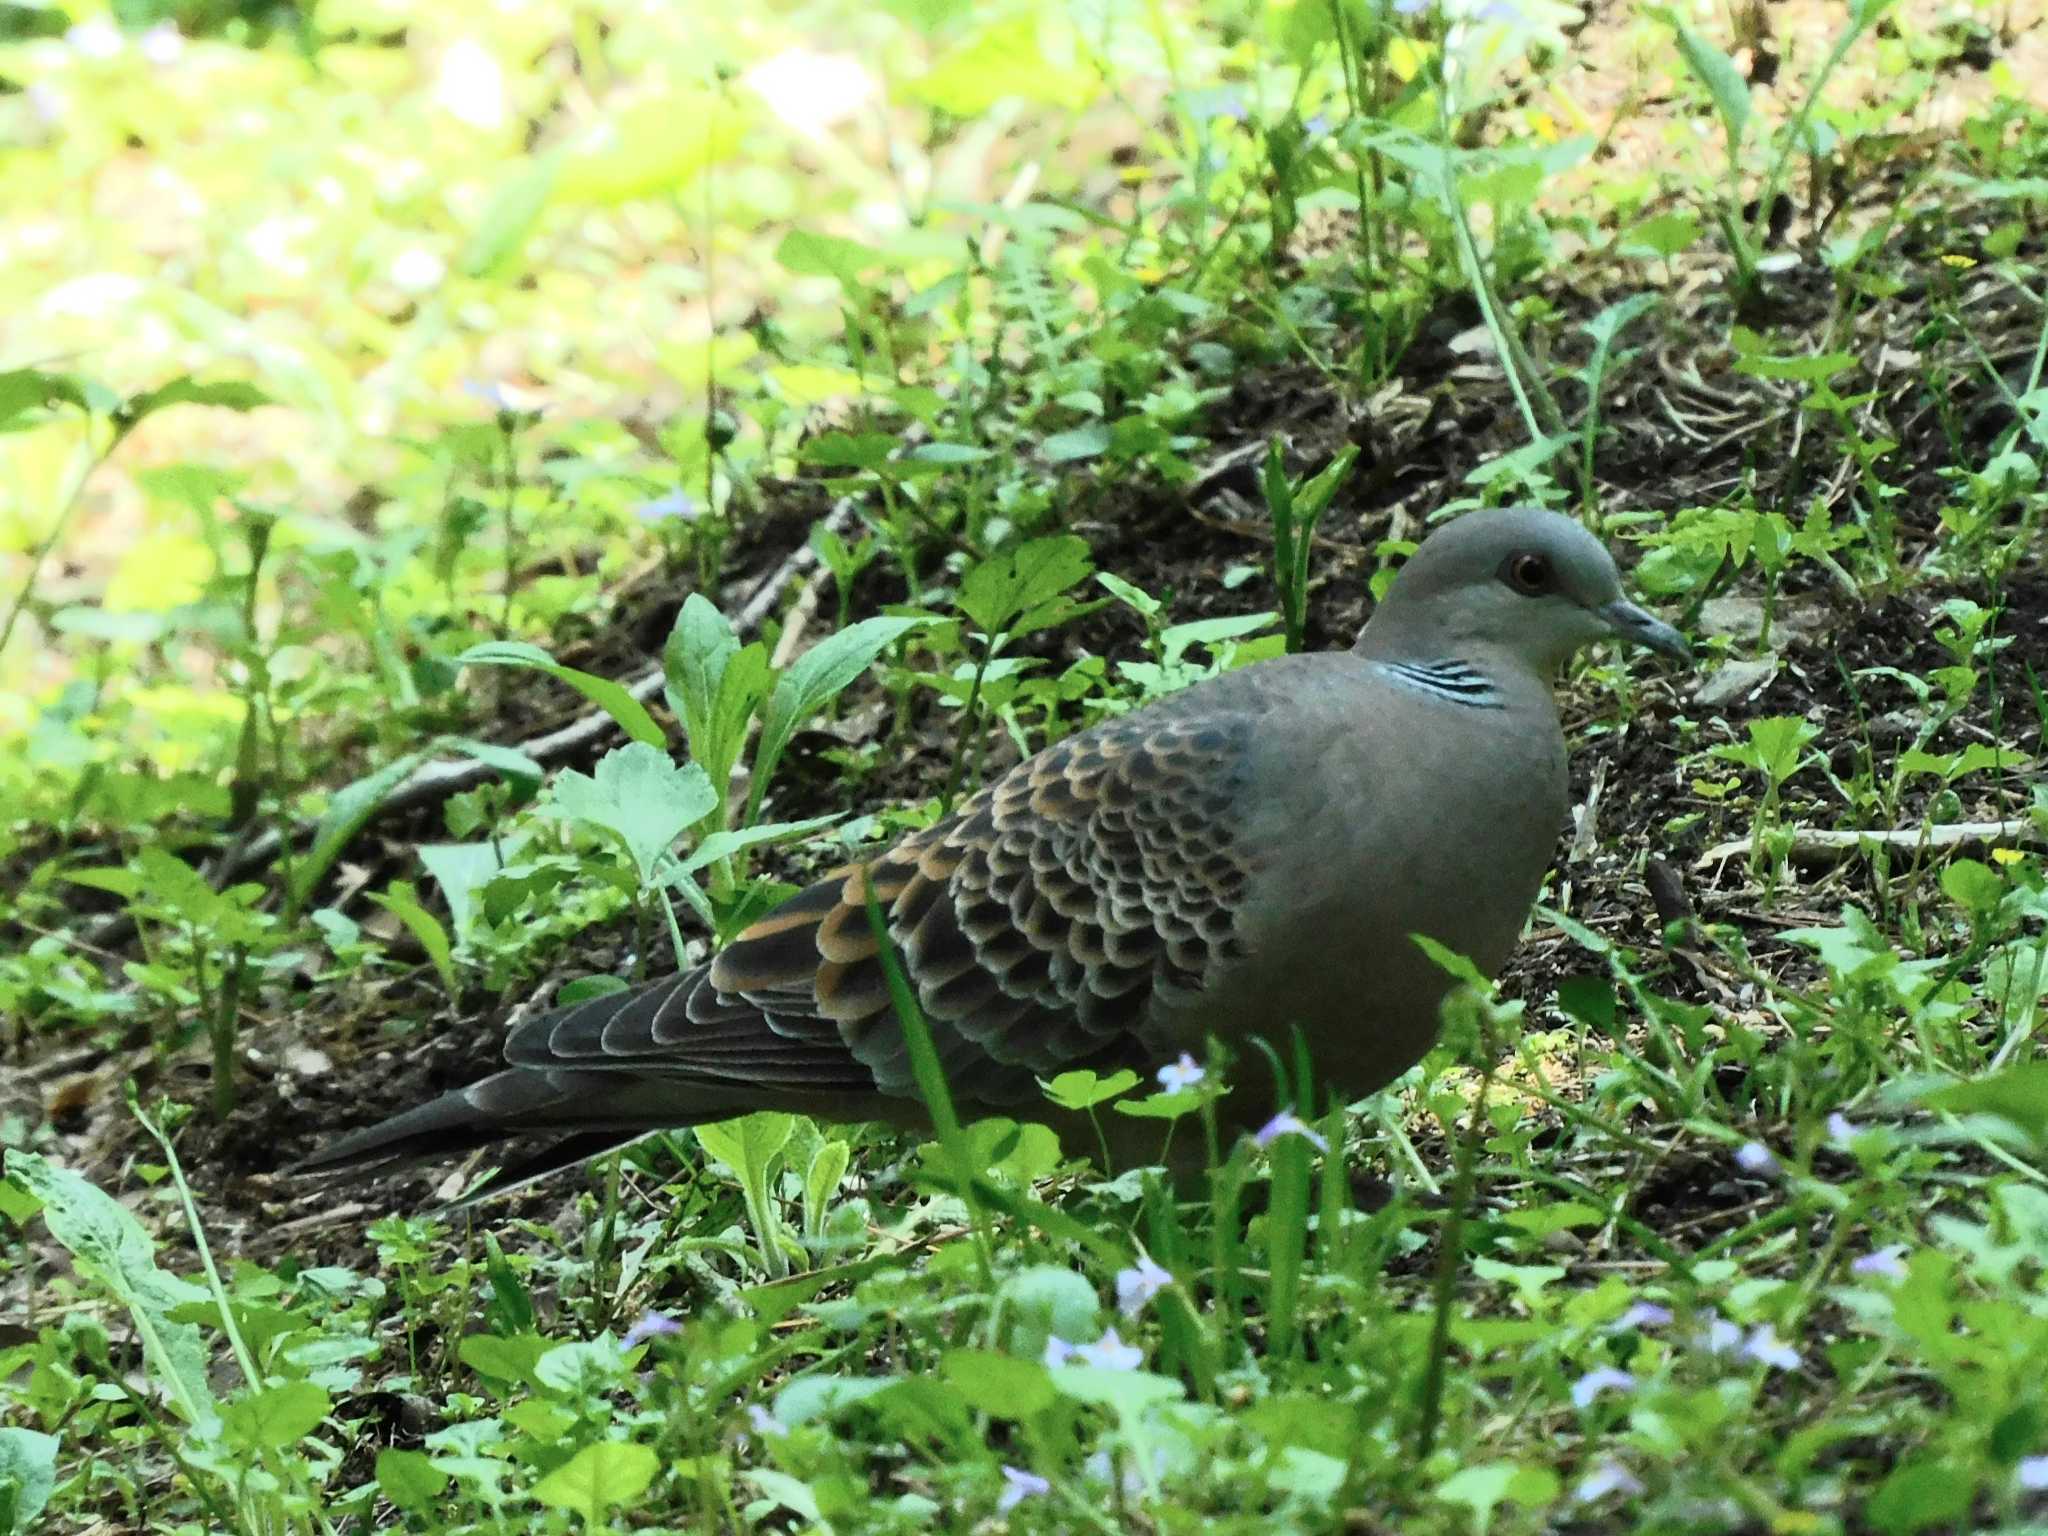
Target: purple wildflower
{"type": "Point", "coordinates": [1019, 1485]}
{"type": "Point", "coordinates": [652, 1325]}
{"type": "Point", "coordinates": [1138, 1285]}
{"type": "Point", "coordinates": [1179, 1076]}
{"type": "Point", "coordinates": [1888, 1263]}
{"type": "Point", "coordinates": [1754, 1157]}
{"type": "Point", "coordinates": [677, 505]}
{"type": "Point", "coordinates": [1718, 1338]}
{"type": "Point", "coordinates": [1765, 1347]}
{"type": "Point", "coordinates": [1608, 1477]}
{"type": "Point", "coordinates": [1602, 1378]}
{"type": "Point", "coordinates": [1288, 1123]}
{"type": "Point", "coordinates": [1110, 1353]}
{"type": "Point", "coordinates": [1644, 1314]}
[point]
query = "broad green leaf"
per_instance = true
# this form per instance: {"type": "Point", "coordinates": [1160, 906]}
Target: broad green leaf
{"type": "Point", "coordinates": [714, 685]}
{"type": "Point", "coordinates": [27, 391]}
{"type": "Point", "coordinates": [1075, 444]}
{"type": "Point", "coordinates": [1044, 1300]}
{"type": "Point", "coordinates": [1004, 60]}
{"type": "Point", "coordinates": [110, 1248]}
{"type": "Point", "coordinates": [28, 1473]}
{"type": "Point", "coordinates": [999, 592]}
{"type": "Point", "coordinates": [613, 698]}
{"type": "Point", "coordinates": [821, 1181]}
{"type": "Point", "coordinates": [1484, 1488]}
{"type": "Point", "coordinates": [811, 682]}
{"type": "Point", "coordinates": [744, 1146]}
{"type": "Point", "coordinates": [1922, 1493]}
{"type": "Point", "coordinates": [273, 1418]}
{"type": "Point", "coordinates": [505, 1358]}
{"type": "Point", "coordinates": [410, 1480]}
{"type": "Point", "coordinates": [659, 144]}
{"type": "Point", "coordinates": [1084, 1089]}
{"type": "Point", "coordinates": [997, 1384]}
{"type": "Point", "coordinates": [639, 794]}
{"type": "Point", "coordinates": [599, 1478]}
{"type": "Point", "coordinates": [1973, 886]}
{"type": "Point", "coordinates": [848, 450]}
{"type": "Point", "coordinates": [1590, 1000]}
{"type": "Point", "coordinates": [1127, 1394]}
{"type": "Point", "coordinates": [462, 870]}
{"type": "Point", "coordinates": [809, 254]}
{"type": "Point", "coordinates": [2018, 1094]}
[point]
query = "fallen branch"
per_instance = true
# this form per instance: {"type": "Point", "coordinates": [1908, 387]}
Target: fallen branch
{"type": "Point", "coordinates": [1819, 847]}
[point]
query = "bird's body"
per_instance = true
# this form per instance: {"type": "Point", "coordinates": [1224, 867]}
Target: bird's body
{"type": "Point", "coordinates": [1240, 859]}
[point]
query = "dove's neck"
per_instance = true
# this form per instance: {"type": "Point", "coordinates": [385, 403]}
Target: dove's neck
{"type": "Point", "coordinates": [1449, 679]}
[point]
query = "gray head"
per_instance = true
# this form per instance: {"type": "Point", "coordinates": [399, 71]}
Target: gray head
{"type": "Point", "coordinates": [1514, 582]}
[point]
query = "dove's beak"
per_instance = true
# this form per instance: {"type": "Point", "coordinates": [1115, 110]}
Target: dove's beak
{"type": "Point", "coordinates": [1640, 627]}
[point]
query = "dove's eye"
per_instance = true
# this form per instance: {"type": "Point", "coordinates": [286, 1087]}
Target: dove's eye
{"type": "Point", "coordinates": [1527, 574]}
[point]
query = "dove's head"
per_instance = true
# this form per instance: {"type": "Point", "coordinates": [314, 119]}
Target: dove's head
{"type": "Point", "coordinates": [1513, 582]}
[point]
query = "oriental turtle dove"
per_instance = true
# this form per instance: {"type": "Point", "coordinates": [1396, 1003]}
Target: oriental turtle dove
{"type": "Point", "coordinates": [1245, 856]}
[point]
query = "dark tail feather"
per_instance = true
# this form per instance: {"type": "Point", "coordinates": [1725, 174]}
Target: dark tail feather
{"type": "Point", "coordinates": [587, 1113]}
{"type": "Point", "coordinates": [457, 1122]}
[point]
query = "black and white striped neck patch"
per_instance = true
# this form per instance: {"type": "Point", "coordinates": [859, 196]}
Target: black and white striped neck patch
{"type": "Point", "coordinates": [1455, 682]}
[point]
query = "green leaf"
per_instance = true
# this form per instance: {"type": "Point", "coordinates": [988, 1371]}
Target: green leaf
{"type": "Point", "coordinates": [847, 450]}
{"type": "Point", "coordinates": [109, 1248]}
{"type": "Point", "coordinates": [509, 218]}
{"type": "Point", "coordinates": [1484, 1488]}
{"type": "Point", "coordinates": [1043, 1300]}
{"type": "Point", "coordinates": [714, 685]}
{"type": "Point", "coordinates": [347, 813]}
{"type": "Point", "coordinates": [598, 1478]}
{"type": "Point", "coordinates": [272, 1418]}
{"type": "Point", "coordinates": [812, 681]}
{"type": "Point", "coordinates": [410, 1480]}
{"type": "Point", "coordinates": [659, 144]}
{"type": "Point", "coordinates": [2018, 1094]}
{"type": "Point", "coordinates": [1590, 1000]}
{"type": "Point", "coordinates": [1001, 60]}
{"type": "Point", "coordinates": [1127, 1394]}
{"type": "Point", "coordinates": [230, 394]}
{"type": "Point", "coordinates": [723, 845]}
{"type": "Point", "coordinates": [1084, 1089]}
{"type": "Point", "coordinates": [404, 903]}
{"type": "Point", "coordinates": [744, 1146]}
{"type": "Point", "coordinates": [27, 391]}
{"type": "Point", "coordinates": [1924, 1492]}
{"type": "Point", "coordinates": [1975, 887]}
{"type": "Point", "coordinates": [809, 254]}
{"type": "Point", "coordinates": [998, 593]}
{"type": "Point", "coordinates": [1089, 442]}
{"type": "Point", "coordinates": [507, 1358]}
{"type": "Point", "coordinates": [28, 1473]}
{"type": "Point", "coordinates": [613, 698]}
{"type": "Point", "coordinates": [1717, 72]}
{"type": "Point", "coordinates": [462, 870]}
{"type": "Point", "coordinates": [639, 794]}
